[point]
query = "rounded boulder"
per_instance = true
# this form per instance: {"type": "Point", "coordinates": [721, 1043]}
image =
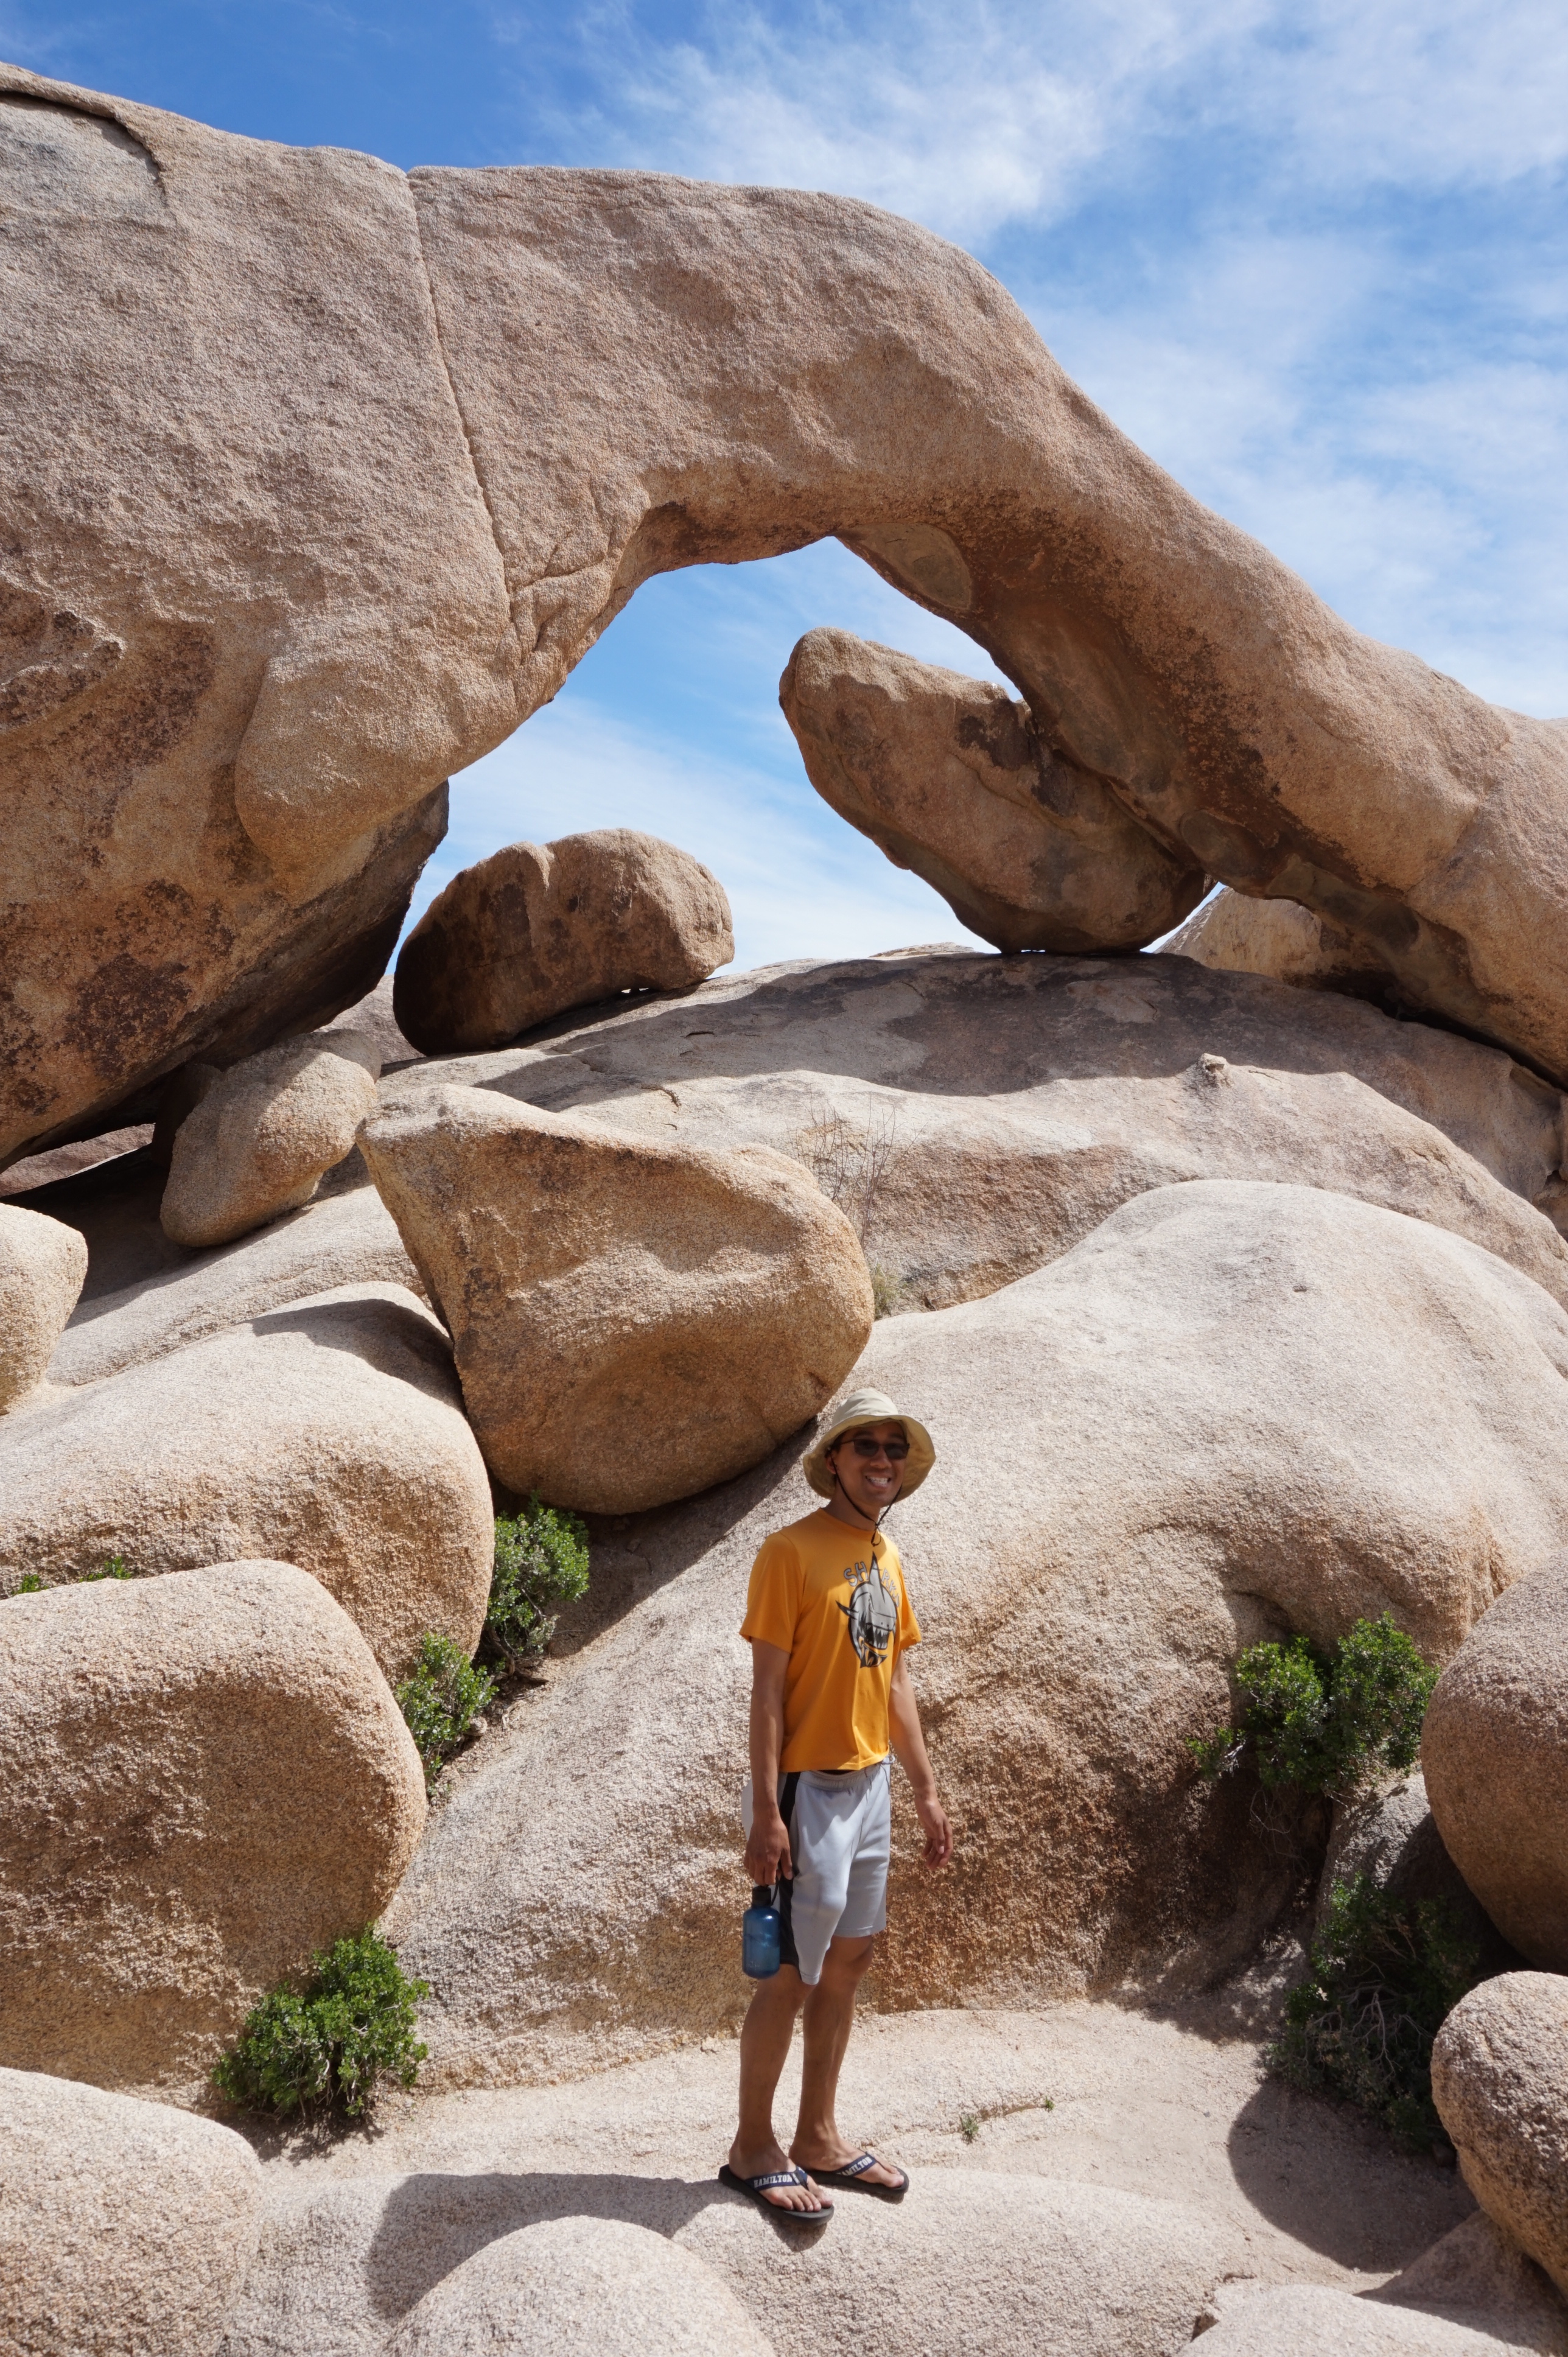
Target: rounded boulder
{"type": "Point", "coordinates": [1499, 2079]}
{"type": "Point", "coordinates": [598, 2287]}
{"type": "Point", "coordinates": [207, 1779]}
{"type": "Point", "coordinates": [43, 1267]}
{"type": "Point", "coordinates": [263, 1134]}
{"type": "Point", "coordinates": [632, 1320]}
{"type": "Point", "coordinates": [126, 2227]}
{"type": "Point", "coordinates": [1494, 1748]}
{"type": "Point", "coordinates": [538, 928]}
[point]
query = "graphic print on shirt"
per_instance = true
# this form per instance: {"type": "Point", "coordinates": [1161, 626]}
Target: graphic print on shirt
{"type": "Point", "coordinates": [872, 1614]}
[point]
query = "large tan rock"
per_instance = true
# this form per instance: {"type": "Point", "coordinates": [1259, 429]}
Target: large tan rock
{"type": "Point", "coordinates": [598, 2287]}
{"type": "Point", "coordinates": [243, 652]}
{"type": "Point", "coordinates": [328, 1433]}
{"type": "Point", "coordinates": [538, 928]}
{"type": "Point", "coordinates": [207, 1780]}
{"type": "Point", "coordinates": [949, 776]}
{"type": "Point", "coordinates": [1494, 1751]}
{"type": "Point", "coordinates": [1233, 1411]}
{"type": "Point", "coordinates": [43, 1266]}
{"type": "Point", "coordinates": [263, 1133]}
{"type": "Point", "coordinates": [1236, 933]}
{"type": "Point", "coordinates": [273, 589]}
{"type": "Point", "coordinates": [975, 1116]}
{"type": "Point", "coordinates": [632, 1320]}
{"type": "Point", "coordinates": [125, 2228]}
{"type": "Point", "coordinates": [1499, 2079]}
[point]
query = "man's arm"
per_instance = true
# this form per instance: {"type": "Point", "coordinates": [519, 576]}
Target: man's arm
{"type": "Point", "coordinates": [768, 1847]}
{"type": "Point", "coordinates": [910, 1745]}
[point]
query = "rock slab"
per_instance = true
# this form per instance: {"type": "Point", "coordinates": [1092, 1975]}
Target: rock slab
{"type": "Point", "coordinates": [632, 1320]}
{"type": "Point", "coordinates": [329, 1433]}
{"type": "Point", "coordinates": [538, 928]}
{"type": "Point", "coordinates": [126, 2227]}
{"type": "Point", "coordinates": [949, 776]}
{"type": "Point", "coordinates": [207, 1780]}
{"type": "Point", "coordinates": [1499, 2079]}
{"type": "Point", "coordinates": [977, 1115]}
{"type": "Point", "coordinates": [43, 1267]}
{"type": "Point", "coordinates": [265, 1132]}
{"type": "Point", "coordinates": [1494, 1750]}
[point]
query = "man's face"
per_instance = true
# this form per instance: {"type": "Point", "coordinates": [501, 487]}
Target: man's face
{"type": "Point", "coordinates": [870, 1464]}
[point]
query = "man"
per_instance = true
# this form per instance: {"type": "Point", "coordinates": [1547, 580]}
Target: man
{"type": "Point", "coordinates": [830, 1623]}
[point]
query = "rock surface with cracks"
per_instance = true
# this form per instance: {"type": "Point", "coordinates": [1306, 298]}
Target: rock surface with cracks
{"type": "Point", "coordinates": [243, 684]}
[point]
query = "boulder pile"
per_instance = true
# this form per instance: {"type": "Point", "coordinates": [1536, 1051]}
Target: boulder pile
{"type": "Point", "coordinates": [1235, 1293]}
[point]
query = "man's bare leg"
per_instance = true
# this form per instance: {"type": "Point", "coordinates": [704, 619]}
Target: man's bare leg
{"type": "Point", "coordinates": [830, 2017]}
{"type": "Point", "coordinates": [764, 2046]}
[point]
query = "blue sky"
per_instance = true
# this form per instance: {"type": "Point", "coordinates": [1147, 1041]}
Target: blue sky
{"type": "Point", "coordinates": [1315, 259]}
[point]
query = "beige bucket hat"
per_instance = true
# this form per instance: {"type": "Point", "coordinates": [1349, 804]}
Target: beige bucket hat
{"type": "Point", "coordinates": [870, 1407]}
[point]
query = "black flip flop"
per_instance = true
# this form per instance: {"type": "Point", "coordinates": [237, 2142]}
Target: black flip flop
{"type": "Point", "coordinates": [851, 2176]}
{"type": "Point", "coordinates": [756, 2188]}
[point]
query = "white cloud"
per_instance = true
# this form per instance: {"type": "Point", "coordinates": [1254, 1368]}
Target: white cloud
{"type": "Point", "coordinates": [971, 118]}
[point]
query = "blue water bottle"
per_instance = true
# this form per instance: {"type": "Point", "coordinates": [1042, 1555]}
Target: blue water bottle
{"type": "Point", "coordinates": [760, 1929]}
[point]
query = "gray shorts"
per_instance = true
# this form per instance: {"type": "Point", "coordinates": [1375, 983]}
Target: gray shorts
{"type": "Point", "coordinates": [839, 1831]}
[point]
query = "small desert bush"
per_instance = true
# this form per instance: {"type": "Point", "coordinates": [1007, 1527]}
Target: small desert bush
{"type": "Point", "coordinates": [330, 2048]}
{"type": "Point", "coordinates": [848, 1159]}
{"type": "Point", "coordinates": [441, 1701]}
{"type": "Point", "coordinates": [1326, 1721]}
{"type": "Point", "coordinates": [1385, 1972]}
{"type": "Point", "coordinates": [542, 1559]}
{"type": "Point", "coordinates": [887, 1290]}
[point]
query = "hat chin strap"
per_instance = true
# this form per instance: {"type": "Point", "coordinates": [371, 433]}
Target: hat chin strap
{"type": "Point", "coordinates": [876, 1520]}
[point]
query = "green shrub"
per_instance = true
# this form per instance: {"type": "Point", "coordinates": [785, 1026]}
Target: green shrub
{"type": "Point", "coordinates": [441, 1700]}
{"type": "Point", "coordinates": [330, 2048]}
{"type": "Point", "coordinates": [31, 1582]}
{"type": "Point", "coordinates": [541, 1559]}
{"type": "Point", "coordinates": [1385, 1972]}
{"type": "Point", "coordinates": [1326, 1722]}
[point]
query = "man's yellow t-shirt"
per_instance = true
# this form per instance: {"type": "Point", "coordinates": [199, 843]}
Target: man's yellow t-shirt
{"type": "Point", "coordinates": [843, 1619]}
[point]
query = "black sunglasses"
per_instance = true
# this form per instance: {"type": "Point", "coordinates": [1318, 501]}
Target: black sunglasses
{"type": "Point", "coordinates": [896, 1450]}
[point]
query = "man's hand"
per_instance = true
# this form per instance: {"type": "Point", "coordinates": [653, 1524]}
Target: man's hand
{"type": "Point", "coordinates": [938, 1832]}
{"type": "Point", "coordinates": [768, 1857]}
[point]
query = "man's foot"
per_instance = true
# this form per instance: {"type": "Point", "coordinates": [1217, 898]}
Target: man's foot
{"type": "Point", "coordinates": [879, 2176]}
{"type": "Point", "coordinates": [769, 2161]}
